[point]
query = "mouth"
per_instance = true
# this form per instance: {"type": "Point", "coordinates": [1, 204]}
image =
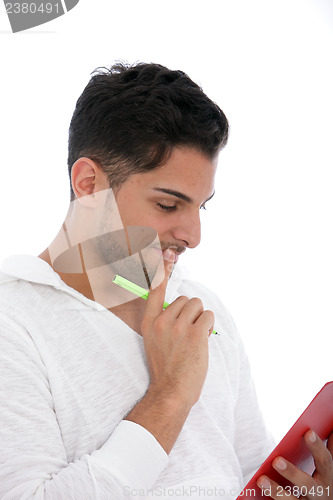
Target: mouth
{"type": "Point", "coordinates": [178, 251]}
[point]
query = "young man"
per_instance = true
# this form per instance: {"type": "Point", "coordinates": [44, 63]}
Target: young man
{"type": "Point", "coordinates": [106, 396]}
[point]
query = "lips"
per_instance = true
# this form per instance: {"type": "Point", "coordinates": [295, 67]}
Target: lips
{"type": "Point", "coordinates": [177, 249]}
{"type": "Point", "coordinates": [160, 251]}
{"type": "Point", "coordinates": [176, 254]}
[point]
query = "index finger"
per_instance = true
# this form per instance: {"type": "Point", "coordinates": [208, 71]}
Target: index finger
{"type": "Point", "coordinates": [321, 455]}
{"type": "Point", "coordinates": [156, 295]}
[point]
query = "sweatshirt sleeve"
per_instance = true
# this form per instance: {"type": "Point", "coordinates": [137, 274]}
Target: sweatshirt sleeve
{"type": "Point", "coordinates": [33, 461]}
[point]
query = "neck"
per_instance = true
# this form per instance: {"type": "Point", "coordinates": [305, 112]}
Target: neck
{"type": "Point", "coordinates": [118, 301]}
{"type": "Point", "coordinates": [78, 281]}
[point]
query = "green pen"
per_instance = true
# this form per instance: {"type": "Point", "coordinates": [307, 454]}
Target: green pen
{"type": "Point", "coordinates": [138, 290]}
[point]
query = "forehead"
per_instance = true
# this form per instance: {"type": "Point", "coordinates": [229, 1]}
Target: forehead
{"type": "Point", "coordinates": [186, 170]}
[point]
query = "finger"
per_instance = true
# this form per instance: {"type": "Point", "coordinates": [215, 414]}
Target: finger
{"type": "Point", "coordinates": [156, 295]}
{"type": "Point", "coordinates": [330, 444]}
{"type": "Point", "coordinates": [274, 490]}
{"type": "Point", "coordinates": [164, 267]}
{"type": "Point", "coordinates": [206, 321]}
{"type": "Point", "coordinates": [321, 455]}
{"type": "Point", "coordinates": [296, 476]}
{"type": "Point", "coordinates": [176, 307]}
{"type": "Point", "coordinates": [191, 310]}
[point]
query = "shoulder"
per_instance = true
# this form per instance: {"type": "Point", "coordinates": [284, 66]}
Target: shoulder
{"type": "Point", "coordinates": [22, 305]}
{"type": "Point", "coordinates": [16, 300]}
{"type": "Point", "coordinates": [12, 290]}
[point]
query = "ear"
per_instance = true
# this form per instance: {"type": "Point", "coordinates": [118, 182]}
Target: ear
{"type": "Point", "coordinates": [87, 178]}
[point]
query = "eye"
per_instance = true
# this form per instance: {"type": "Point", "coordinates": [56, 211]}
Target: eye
{"type": "Point", "coordinates": [167, 208]}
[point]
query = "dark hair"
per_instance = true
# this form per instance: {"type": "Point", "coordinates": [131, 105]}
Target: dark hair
{"type": "Point", "coordinates": [129, 118]}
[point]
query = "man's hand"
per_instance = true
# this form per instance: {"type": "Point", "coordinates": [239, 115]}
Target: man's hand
{"type": "Point", "coordinates": [176, 342]}
{"type": "Point", "coordinates": [176, 346]}
{"type": "Point", "coordinates": [319, 485]}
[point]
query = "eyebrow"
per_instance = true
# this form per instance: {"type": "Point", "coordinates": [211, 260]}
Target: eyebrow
{"type": "Point", "coordinates": [182, 196]}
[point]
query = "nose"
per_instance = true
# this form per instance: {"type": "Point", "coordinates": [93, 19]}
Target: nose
{"type": "Point", "coordinates": [188, 230]}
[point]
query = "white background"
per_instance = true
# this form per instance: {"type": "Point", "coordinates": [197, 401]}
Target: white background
{"type": "Point", "coordinates": [267, 241]}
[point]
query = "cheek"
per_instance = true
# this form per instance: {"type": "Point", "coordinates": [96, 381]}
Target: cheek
{"type": "Point", "coordinates": [134, 212]}
{"type": "Point", "coordinates": [135, 215]}
{"type": "Point", "coordinates": [159, 222]}
{"type": "Point", "coordinates": [130, 211]}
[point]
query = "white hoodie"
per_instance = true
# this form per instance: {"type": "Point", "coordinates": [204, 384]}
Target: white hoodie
{"type": "Point", "coordinates": [70, 371]}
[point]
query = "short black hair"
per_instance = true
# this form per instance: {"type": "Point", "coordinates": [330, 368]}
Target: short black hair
{"type": "Point", "coordinates": [130, 117]}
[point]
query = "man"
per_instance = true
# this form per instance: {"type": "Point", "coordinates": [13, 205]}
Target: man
{"type": "Point", "coordinates": [103, 395]}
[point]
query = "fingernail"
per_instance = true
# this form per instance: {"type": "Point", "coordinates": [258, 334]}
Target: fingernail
{"type": "Point", "coordinates": [312, 436]}
{"type": "Point", "coordinates": [280, 464]}
{"type": "Point", "coordinates": [264, 483]}
{"type": "Point", "coordinates": [169, 255]}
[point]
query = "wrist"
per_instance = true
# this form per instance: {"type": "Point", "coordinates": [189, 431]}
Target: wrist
{"type": "Point", "coordinates": [163, 414]}
{"type": "Point", "coordinates": [172, 401]}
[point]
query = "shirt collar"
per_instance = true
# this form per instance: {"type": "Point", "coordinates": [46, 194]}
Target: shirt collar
{"type": "Point", "coordinates": [35, 270]}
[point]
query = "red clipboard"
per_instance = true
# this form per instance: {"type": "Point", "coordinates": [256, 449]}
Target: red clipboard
{"type": "Point", "coordinates": [318, 416]}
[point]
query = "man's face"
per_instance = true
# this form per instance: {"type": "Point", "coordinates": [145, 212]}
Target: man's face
{"type": "Point", "coordinates": [169, 199]}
